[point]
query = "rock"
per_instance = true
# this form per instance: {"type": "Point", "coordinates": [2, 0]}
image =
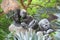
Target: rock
{"type": "Point", "coordinates": [44, 32]}
{"type": "Point", "coordinates": [33, 24]}
{"type": "Point", "coordinates": [16, 29]}
{"type": "Point", "coordinates": [31, 30]}
{"type": "Point", "coordinates": [49, 31]}
{"type": "Point", "coordinates": [44, 24]}
{"type": "Point", "coordinates": [23, 13]}
{"type": "Point", "coordinates": [47, 37]}
{"type": "Point", "coordinates": [24, 25]}
{"type": "Point", "coordinates": [39, 33]}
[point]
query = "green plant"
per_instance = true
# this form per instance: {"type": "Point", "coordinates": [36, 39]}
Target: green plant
{"type": "Point", "coordinates": [31, 10]}
{"type": "Point", "coordinates": [3, 34]}
{"type": "Point", "coordinates": [29, 36]}
{"type": "Point", "coordinates": [4, 23]}
{"type": "Point", "coordinates": [0, 1]}
{"type": "Point", "coordinates": [1, 10]}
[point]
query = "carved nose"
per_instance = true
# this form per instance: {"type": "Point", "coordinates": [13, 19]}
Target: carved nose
{"type": "Point", "coordinates": [45, 25]}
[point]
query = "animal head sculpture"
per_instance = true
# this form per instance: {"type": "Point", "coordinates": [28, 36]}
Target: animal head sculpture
{"type": "Point", "coordinates": [23, 13]}
{"type": "Point", "coordinates": [44, 23]}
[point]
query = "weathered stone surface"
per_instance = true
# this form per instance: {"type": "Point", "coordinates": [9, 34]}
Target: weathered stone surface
{"type": "Point", "coordinates": [16, 29]}
{"type": "Point", "coordinates": [49, 31]}
{"type": "Point", "coordinates": [47, 37]}
{"type": "Point", "coordinates": [44, 24]}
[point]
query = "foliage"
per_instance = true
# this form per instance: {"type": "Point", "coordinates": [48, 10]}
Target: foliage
{"type": "Point", "coordinates": [44, 3]}
{"type": "Point", "coordinates": [1, 10]}
{"type": "Point", "coordinates": [31, 10]}
{"type": "Point", "coordinates": [0, 1]}
{"type": "Point", "coordinates": [4, 23]}
{"type": "Point", "coordinates": [2, 34]}
{"type": "Point", "coordinates": [36, 4]}
{"type": "Point", "coordinates": [31, 36]}
{"type": "Point", "coordinates": [0, 7]}
{"type": "Point", "coordinates": [28, 36]}
{"type": "Point", "coordinates": [5, 36]}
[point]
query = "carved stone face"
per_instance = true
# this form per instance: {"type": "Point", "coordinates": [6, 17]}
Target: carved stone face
{"type": "Point", "coordinates": [23, 13]}
{"type": "Point", "coordinates": [44, 23]}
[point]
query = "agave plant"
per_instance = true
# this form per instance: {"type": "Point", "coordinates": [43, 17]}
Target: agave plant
{"type": "Point", "coordinates": [57, 35]}
{"type": "Point", "coordinates": [28, 36]}
{"type": "Point", "coordinates": [9, 37]}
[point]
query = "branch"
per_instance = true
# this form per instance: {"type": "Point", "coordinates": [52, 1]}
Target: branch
{"type": "Point", "coordinates": [29, 2]}
{"type": "Point", "coordinates": [25, 7]}
{"type": "Point", "coordinates": [22, 3]}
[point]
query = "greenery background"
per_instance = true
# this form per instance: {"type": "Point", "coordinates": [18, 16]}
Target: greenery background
{"type": "Point", "coordinates": [32, 9]}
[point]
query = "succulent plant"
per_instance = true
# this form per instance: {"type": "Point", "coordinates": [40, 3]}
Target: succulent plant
{"type": "Point", "coordinates": [28, 36]}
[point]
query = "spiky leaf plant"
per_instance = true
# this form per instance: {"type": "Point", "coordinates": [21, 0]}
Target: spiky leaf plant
{"type": "Point", "coordinates": [29, 36]}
